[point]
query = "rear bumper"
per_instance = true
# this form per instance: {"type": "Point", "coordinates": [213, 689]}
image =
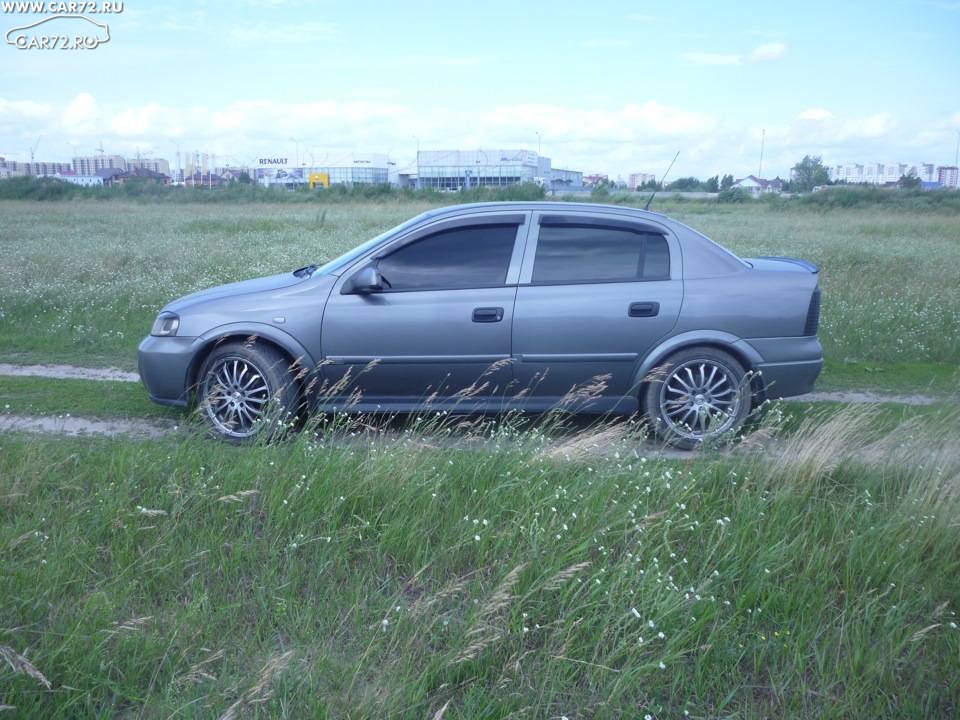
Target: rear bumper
{"type": "Point", "coordinates": [790, 366]}
{"type": "Point", "coordinates": [164, 363]}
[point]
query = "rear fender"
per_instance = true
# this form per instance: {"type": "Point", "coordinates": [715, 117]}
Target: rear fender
{"type": "Point", "coordinates": [712, 338]}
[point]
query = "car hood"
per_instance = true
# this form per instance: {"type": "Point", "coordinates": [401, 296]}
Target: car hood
{"type": "Point", "coordinates": [244, 287]}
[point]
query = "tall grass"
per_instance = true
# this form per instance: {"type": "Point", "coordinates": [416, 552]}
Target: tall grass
{"type": "Point", "coordinates": [357, 573]}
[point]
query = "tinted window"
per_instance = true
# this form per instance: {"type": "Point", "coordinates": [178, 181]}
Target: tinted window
{"type": "Point", "coordinates": [467, 257]}
{"type": "Point", "coordinates": [580, 253]}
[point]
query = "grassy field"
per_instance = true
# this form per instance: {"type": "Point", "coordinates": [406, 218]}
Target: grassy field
{"type": "Point", "coordinates": [396, 578]}
{"type": "Point", "coordinates": [490, 571]}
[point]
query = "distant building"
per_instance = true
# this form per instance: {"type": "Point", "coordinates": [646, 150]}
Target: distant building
{"type": "Point", "coordinates": [43, 169]}
{"type": "Point", "coordinates": [366, 169]}
{"type": "Point", "coordinates": [8, 168]}
{"type": "Point", "coordinates": [108, 175]}
{"type": "Point", "coordinates": [157, 165]}
{"type": "Point", "coordinates": [142, 175]}
{"type": "Point", "coordinates": [759, 186]}
{"type": "Point", "coordinates": [89, 165]}
{"type": "Point", "coordinates": [203, 179]}
{"type": "Point", "coordinates": [460, 169]}
{"type": "Point", "coordinates": [947, 176]}
{"type": "Point", "coordinates": [635, 180]}
{"type": "Point", "coordinates": [880, 173]}
{"type": "Point", "coordinates": [116, 176]}
{"type": "Point", "coordinates": [12, 168]}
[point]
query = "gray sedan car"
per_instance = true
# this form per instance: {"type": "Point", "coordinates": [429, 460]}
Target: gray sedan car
{"type": "Point", "coordinates": [493, 307]}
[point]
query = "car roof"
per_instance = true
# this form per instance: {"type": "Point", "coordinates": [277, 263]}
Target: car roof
{"type": "Point", "coordinates": [556, 206]}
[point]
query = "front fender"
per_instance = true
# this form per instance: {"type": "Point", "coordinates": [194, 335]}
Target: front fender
{"type": "Point", "coordinates": [252, 330]}
{"type": "Point", "coordinates": [716, 338]}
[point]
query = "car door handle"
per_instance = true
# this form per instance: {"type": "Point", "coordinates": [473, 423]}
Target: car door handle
{"type": "Point", "coordinates": [490, 314]}
{"type": "Point", "coordinates": [644, 309]}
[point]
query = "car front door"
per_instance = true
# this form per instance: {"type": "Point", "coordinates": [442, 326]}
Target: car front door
{"type": "Point", "coordinates": [439, 330]}
{"type": "Point", "coordinates": [595, 294]}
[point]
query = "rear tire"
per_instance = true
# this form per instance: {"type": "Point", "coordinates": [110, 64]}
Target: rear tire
{"type": "Point", "coordinates": [246, 391]}
{"type": "Point", "coordinates": [697, 395]}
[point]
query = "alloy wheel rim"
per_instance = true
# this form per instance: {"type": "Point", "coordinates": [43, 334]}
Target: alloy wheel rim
{"type": "Point", "coordinates": [235, 396]}
{"type": "Point", "coordinates": [700, 399]}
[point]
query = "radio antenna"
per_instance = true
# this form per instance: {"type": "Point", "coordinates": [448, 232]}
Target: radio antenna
{"type": "Point", "coordinates": [653, 194]}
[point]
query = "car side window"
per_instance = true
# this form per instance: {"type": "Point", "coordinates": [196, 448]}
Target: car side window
{"type": "Point", "coordinates": [568, 253]}
{"type": "Point", "coordinates": [465, 257]}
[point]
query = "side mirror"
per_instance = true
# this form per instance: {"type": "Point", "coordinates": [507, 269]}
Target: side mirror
{"type": "Point", "coordinates": [367, 281]}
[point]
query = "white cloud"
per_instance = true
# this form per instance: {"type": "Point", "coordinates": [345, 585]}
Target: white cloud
{"type": "Point", "coordinates": [815, 114]}
{"type": "Point", "coordinates": [768, 51]}
{"type": "Point", "coordinates": [762, 53]}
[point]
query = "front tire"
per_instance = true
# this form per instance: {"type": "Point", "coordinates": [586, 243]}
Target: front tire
{"type": "Point", "coordinates": [698, 395]}
{"type": "Point", "coordinates": [244, 389]}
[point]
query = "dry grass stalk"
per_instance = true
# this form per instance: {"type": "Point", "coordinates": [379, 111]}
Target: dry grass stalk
{"type": "Point", "coordinates": [561, 578]}
{"type": "Point", "coordinates": [586, 444]}
{"type": "Point", "coordinates": [486, 630]}
{"type": "Point", "coordinates": [238, 496]}
{"type": "Point", "coordinates": [153, 513]}
{"type": "Point", "coordinates": [469, 392]}
{"type": "Point", "coordinates": [587, 391]}
{"type": "Point", "coordinates": [438, 715]}
{"type": "Point", "coordinates": [819, 446]}
{"type": "Point", "coordinates": [197, 674]}
{"type": "Point", "coordinates": [455, 588]}
{"type": "Point", "coordinates": [260, 691]}
{"type": "Point", "coordinates": [21, 666]}
{"type": "Point", "coordinates": [131, 625]}
{"type": "Point", "coordinates": [919, 634]}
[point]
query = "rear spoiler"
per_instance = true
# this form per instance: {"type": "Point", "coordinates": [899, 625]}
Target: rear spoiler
{"type": "Point", "coordinates": [808, 266]}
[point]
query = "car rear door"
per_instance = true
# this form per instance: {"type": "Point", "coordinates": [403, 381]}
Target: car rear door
{"type": "Point", "coordinates": [596, 293]}
{"type": "Point", "coordinates": [441, 328]}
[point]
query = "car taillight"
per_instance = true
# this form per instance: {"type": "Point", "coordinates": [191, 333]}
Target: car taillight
{"type": "Point", "coordinates": [813, 314]}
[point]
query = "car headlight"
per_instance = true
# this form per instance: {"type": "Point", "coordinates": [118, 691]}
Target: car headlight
{"type": "Point", "coordinates": [166, 325]}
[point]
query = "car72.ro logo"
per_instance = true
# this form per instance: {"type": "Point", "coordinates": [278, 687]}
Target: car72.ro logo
{"type": "Point", "coordinates": [59, 32]}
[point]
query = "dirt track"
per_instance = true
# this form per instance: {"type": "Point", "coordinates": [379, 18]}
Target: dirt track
{"type": "Point", "coordinates": [73, 372]}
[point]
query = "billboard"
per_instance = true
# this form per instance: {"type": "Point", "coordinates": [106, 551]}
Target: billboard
{"type": "Point", "coordinates": [277, 170]}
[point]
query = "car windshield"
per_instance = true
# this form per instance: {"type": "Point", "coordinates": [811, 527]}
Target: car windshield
{"type": "Point", "coordinates": [334, 266]}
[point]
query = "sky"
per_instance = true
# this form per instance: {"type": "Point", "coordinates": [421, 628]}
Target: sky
{"type": "Point", "coordinates": [599, 86]}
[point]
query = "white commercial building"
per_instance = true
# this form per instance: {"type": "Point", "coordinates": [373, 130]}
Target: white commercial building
{"type": "Point", "coordinates": [460, 169]}
{"type": "Point", "coordinates": [356, 169]}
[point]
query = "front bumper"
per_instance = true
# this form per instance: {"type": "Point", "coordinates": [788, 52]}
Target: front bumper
{"type": "Point", "coordinates": [164, 364]}
{"type": "Point", "coordinates": [790, 365]}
